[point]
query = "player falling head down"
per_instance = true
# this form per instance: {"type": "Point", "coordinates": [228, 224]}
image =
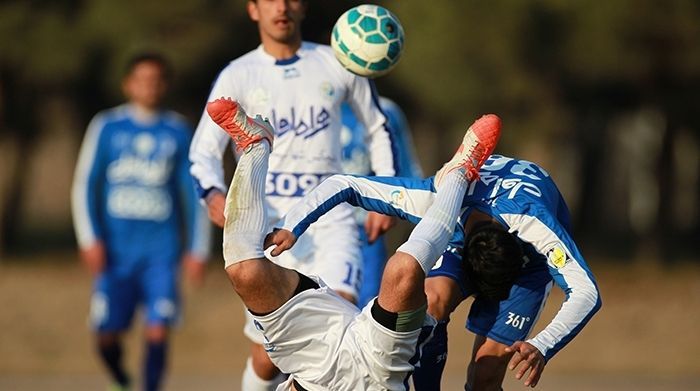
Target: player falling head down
{"type": "Point", "coordinates": [321, 340]}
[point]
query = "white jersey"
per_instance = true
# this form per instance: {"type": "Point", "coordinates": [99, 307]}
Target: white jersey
{"type": "Point", "coordinates": [301, 97]}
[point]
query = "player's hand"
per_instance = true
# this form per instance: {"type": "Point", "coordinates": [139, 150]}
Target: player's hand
{"type": "Point", "coordinates": [283, 239]}
{"type": "Point", "coordinates": [94, 258]}
{"type": "Point", "coordinates": [532, 359]}
{"type": "Point", "coordinates": [377, 224]}
{"type": "Point", "coordinates": [195, 268]}
{"type": "Point", "coordinates": [216, 201]}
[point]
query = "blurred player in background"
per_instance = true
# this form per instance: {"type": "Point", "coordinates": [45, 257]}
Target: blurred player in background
{"type": "Point", "coordinates": [299, 86]}
{"type": "Point", "coordinates": [356, 161]}
{"type": "Point", "coordinates": [137, 217]}
{"type": "Point", "coordinates": [323, 341]}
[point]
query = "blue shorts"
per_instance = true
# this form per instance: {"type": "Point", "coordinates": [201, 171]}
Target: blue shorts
{"type": "Point", "coordinates": [118, 292]}
{"type": "Point", "coordinates": [506, 321]}
{"type": "Point", "coordinates": [373, 262]}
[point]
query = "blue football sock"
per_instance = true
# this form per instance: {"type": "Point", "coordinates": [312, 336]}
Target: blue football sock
{"type": "Point", "coordinates": [154, 365]}
{"type": "Point", "coordinates": [112, 357]}
{"type": "Point", "coordinates": [428, 373]}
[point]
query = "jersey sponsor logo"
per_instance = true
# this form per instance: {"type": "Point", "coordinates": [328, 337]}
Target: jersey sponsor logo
{"type": "Point", "coordinates": [139, 203]}
{"type": "Point", "coordinates": [291, 184]}
{"type": "Point", "coordinates": [517, 321]}
{"type": "Point", "coordinates": [557, 256]}
{"type": "Point", "coordinates": [398, 198]}
{"type": "Point", "coordinates": [135, 168]}
{"type": "Point", "coordinates": [305, 123]}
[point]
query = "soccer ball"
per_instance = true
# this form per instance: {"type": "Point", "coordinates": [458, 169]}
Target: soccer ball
{"type": "Point", "coordinates": [367, 40]}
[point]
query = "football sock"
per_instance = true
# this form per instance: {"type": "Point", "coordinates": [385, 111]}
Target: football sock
{"type": "Point", "coordinates": [433, 357]}
{"type": "Point", "coordinates": [399, 321]}
{"type": "Point", "coordinates": [246, 211]}
{"type": "Point", "coordinates": [154, 365]}
{"type": "Point", "coordinates": [430, 237]}
{"type": "Point", "coordinates": [252, 382]}
{"type": "Point", "coordinates": [112, 357]}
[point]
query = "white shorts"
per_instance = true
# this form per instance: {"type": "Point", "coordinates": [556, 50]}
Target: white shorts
{"type": "Point", "coordinates": [324, 342]}
{"type": "Point", "coordinates": [330, 251]}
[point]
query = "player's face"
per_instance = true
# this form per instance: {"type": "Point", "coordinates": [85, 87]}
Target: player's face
{"type": "Point", "coordinates": [145, 85]}
{"type": "Point", "coordinates": [279, 20]}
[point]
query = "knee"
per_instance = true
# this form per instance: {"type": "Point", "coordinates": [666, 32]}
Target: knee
{"type": "Point", "coordinates": [403, 274]}
{"type": "Point", "coordinates": [246, 274]}
{"type": "Point", "coordinates": [157, 334]}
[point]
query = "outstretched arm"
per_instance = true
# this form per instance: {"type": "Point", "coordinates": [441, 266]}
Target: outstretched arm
{"type": "Point", "coordinates": [406, 198]}
{"type": "Point", "coordinates": [571, 273]}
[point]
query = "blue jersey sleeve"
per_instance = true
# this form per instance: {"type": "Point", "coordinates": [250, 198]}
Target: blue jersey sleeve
{"type": "Point", "coordinates": [406, 198]}
{"type": "Point", "coordinates": [544, 232]}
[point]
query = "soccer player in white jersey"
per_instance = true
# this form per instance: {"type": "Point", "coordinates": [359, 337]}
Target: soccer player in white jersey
{"type": "Point", "coordinates": [514, 204]}
{"type": "Point", "coordinates": [299, 86]}
{"type": "Point", "coordinates": [321, 340]}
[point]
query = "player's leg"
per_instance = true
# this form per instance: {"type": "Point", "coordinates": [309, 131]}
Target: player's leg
{"type": "Point", "coordinates": [401, 295]}
{"type": "Point", "coordinates": [155, 358]}
{"type": "Point", "coordinates": [487, 367]}
{"type": "Point", "coordinates": [262, 285]}
{"type": "Point", "coordinates": [162, 303]}
{"type": "Point", "coordinates": [402, 298]}
{"type": "Point", "coordinates": [111, 310]}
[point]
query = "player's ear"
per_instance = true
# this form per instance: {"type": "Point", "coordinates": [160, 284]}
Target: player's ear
{"type": "Point", "coordinates": [252, 8]}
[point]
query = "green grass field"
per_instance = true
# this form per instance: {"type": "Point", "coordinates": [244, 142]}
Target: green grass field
{"type": "Point", "coordinates": [644, 338]}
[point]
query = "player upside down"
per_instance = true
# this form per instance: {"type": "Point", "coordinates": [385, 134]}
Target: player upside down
{"type": "Point", "coordinates": [311, 333]}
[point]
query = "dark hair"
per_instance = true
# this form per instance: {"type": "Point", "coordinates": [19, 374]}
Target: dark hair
{"type": "Point", "coordinates": [492, 259]}
{"type": "Point", "coordinates": [153, 57]}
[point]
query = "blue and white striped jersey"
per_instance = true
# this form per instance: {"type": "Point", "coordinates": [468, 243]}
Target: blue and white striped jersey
{"type": "Point", "coordinates": [301, 97]}
{"type": "Point", "coordinates": [132, 188]}
{"type": "Point", "coordinates": [517, 193]}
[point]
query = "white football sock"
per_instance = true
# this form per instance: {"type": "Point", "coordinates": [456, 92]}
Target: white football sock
{"type": "Point", "coordinates": [246, 209]}
{"type": "Point", "coordinates": [252, 382]}
{"type": "Point", "coordinates": [430, 237]}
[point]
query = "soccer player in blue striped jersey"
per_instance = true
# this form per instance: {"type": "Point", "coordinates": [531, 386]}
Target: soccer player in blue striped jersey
{"type": "Point", "coordinates": [321, 340]}
{"type": "Point", "coordinates": [137, 216]}
{"type": "Point", "coordinates": [356, 161]}
{"type": "Point", "coordinates": [517, 198]}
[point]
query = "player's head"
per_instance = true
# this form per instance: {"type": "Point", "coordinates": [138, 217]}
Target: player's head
{"type": "Point", "coordinates": [493, 259]}
{"type": "Point", "coordinates": [146, 79]}
{"type": "Point", "coordinates": [278, 20]}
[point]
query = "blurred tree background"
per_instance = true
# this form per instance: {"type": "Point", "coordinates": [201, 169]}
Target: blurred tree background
{"type": "Point", "coordinates": [602, 94]}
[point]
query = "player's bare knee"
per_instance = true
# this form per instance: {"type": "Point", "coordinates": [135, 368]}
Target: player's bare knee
{"type": "Point", "coordinates": [246, 274]}
{"type": "Point", "coordinates": [402, 271]}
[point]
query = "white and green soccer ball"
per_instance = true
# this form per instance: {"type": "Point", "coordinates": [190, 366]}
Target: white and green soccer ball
{"type": "Point", "coordinates": [367, 40]}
